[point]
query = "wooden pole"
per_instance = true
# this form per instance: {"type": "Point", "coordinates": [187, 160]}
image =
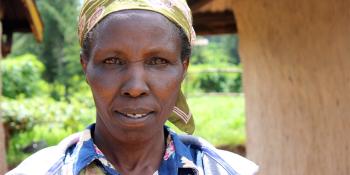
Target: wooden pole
{"type": "Point", "coordinates": [296, 57]}
{"type": "Point", "coordinates": [3, 166]}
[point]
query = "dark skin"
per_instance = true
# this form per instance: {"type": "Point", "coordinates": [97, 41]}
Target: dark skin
{"type": "Point", "coordinates": [134, 67]}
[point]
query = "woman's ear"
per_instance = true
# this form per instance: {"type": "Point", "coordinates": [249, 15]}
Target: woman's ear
{"type": "Point", "coordinates": [185, 64]}
{"type": "Point", "coordinates": [83, 61]}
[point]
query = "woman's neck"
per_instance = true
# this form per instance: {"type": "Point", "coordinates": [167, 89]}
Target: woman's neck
{"type": "Point", "coordinates": [141, 157]}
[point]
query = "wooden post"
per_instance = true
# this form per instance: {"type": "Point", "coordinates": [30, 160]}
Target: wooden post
{"type": "Point", "coordinates": [296, 57]}
{"type": "Point", "coordinates": [3, 166]}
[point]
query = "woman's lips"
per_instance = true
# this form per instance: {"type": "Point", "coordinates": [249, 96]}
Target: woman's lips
{"type": "Point", "coordinates": [134, 119]}
{"type": "Point", "coordinates": [134, 115]}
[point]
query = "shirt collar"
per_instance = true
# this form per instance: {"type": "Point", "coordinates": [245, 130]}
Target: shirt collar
{"type": "Point", "coordinates": [177, 155]}
{"type": "Point", "coordinates": [184, 157]}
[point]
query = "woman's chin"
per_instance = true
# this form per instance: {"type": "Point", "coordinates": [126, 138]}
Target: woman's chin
{"type": "Point", "coordinates": [129, 129]}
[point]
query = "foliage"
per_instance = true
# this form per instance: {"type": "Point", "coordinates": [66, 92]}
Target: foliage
{"type": "Point", "coordinates": [220, 53]}
{"type": "Point", "coordinates": [220, 50]}
{"type": "Point", "coordinates": [50, 135]}
{"type": "Point", "coordinates": [43, 118]}
{"type": "Point", "coordinates": [213, 82]}
{"type": "Point", "coordinates": [60, 49]}
{"type": "Point", "coordinates": [22, 115]}
{"type": "Point", "coordinates": [21, 76]}
{"type": "Point", "coordinates": [202, 78]}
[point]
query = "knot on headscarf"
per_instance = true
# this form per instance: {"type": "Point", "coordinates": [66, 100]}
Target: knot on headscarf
{"type": "Point", "coordinates": [177, 11]}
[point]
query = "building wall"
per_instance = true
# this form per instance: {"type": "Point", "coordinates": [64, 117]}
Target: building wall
{"type": "Point", "coordinates": [296, 57]}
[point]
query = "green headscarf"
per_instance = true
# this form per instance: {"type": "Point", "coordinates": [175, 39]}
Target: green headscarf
{"type": "Point", "coordinates": [177, 11]}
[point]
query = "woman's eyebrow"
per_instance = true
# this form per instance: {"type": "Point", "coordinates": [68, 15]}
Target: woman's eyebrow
{"type": "Point", "coordinates": [109, 51]}
{"type": "Point", "coordinates": [159, 51]}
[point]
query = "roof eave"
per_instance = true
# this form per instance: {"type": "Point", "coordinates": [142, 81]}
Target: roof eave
{"type": "Point", "coordinates": [36, 23]}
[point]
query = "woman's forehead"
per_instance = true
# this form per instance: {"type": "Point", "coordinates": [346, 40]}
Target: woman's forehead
{"type": "Point", "coordinates": [136, 29]}
{"type": "Point", "coordinates": [150, 17]}
{"type": "Point", "coordinates": [136, 22]}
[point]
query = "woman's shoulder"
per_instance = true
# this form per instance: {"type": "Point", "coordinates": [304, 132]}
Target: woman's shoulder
{"type": "Point", "coordinates": [46, 159]}
{"type": "Point", "coordinates": [218, 161]}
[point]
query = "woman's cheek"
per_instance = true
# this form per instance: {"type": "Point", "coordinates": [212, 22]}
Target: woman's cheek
{"type": "Point", "coordinates": [102, 82]}
{"type": "Point", "coordinates": [165, 83]}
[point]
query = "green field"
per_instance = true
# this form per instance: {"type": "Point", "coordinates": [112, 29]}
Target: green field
{"type": "Point", "coordinates": [219, 119]}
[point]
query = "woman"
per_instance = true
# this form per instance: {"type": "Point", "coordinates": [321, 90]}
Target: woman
{"type": "Point", "coordinates": [135, 55]}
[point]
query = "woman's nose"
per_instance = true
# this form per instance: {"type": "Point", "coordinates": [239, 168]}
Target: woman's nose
{"type": "Point", "coordinates": [135, 85]}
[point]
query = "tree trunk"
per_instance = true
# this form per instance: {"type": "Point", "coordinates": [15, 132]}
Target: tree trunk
{"type": "Point", "coordinates": [296, 57]}
{"type": "Point", "coordinates": [3, 166]}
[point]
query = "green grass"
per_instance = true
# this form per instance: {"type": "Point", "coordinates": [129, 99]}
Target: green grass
{"type": "Point", "coordinates": [219, 119]}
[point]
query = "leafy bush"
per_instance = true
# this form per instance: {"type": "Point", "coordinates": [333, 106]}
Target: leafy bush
{"type": "Point", "coordinates": [213, 82]}
{"type": "Point", "coordinates": [43, 118]}
{"type": "Point", "coordinates": [220, 50]}
{"type": "Point", "coordinates": [23, 114]}
{"type": "Point", "coordinates": [21, 76]}
{"type": "Point", "coordinates": [49, 135]}
{"type": "Point", "coordinates": [204, 79]}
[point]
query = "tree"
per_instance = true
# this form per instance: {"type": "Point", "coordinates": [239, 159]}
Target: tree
{"type": "Point", "coordinates": [220, 49]}
{"type": "Point", "coordinates": [60, 48]}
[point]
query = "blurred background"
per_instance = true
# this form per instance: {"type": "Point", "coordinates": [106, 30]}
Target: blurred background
{"type": "Point", "coordinates": [296, 80]}
{"type": "Point", "coordinates": [45, 97]}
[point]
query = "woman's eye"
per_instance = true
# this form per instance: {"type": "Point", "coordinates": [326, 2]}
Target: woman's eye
{"type": "Point", "coordinates": [158, 61]}
{"type": "Point", "coordinates": [113, 60]}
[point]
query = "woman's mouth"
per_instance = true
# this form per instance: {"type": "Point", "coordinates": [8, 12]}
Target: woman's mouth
{"type": "Point", "coordinates": [135, 115]}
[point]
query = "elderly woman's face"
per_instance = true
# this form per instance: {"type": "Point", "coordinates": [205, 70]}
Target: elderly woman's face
{"type": "Point", "coordinates": [134, 70]}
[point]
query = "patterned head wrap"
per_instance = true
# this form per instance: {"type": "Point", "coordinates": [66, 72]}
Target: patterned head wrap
{"type": "Point", "coordinates": [177, 11]}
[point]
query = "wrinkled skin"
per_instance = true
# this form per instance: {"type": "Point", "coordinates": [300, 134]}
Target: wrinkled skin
{"type": "Point", "coordinates": [134, 67]}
